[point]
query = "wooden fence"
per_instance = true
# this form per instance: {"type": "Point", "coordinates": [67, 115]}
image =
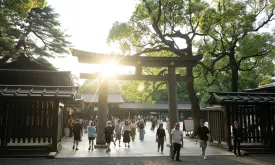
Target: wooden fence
{"type": "Point", "coordinates": [26, 124]}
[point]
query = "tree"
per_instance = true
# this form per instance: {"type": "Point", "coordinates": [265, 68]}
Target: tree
{"type": "Point", "coordinates": [93, 86]}
{"type": "Point", "coordinates": [23, 7]}
{"type": "Point", "coordinates": [157, 26]}
{"type": "Point", "coordinates": [234, 44]}
{"type": "Point", "coordinates": [38, 35]}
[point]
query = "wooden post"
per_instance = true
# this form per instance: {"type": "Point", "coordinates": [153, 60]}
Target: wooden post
{"type": "Point", "coordinates": [102, 113]}
{"type": "Point", "coordinates": [55, 110]}
{"type": "Point", "coordinates": [172, 98]}
{"type": "Point", "coordinates": [227, 112]}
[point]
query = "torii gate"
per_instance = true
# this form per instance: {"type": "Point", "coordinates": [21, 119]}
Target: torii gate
{"type": "Point", "coordinates": [138, 62]}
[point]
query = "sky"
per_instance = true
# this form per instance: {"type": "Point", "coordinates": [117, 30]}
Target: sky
{"type": "Point", "coordinates": [88, 22]}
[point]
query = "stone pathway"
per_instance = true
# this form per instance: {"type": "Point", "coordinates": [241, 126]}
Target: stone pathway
{"type": "Point", "coordinates": [138, 148]}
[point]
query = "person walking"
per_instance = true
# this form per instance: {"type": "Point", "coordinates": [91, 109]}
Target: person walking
{"type": "Point", "coordinates": [77, 128]}
{"type": "Point", "coordinates": [141, 130]}
{"type": "Point", "coordinates": [203, 134]}
{"type": "Point", "coordinates": [118, 130]}
{"type": "Point", "coordinates": [133, 129]}
{"type": "Point", "coordinates": [70, 126]}
{"type": "Point", "coordinates": [160, 137]}
{"type": "Point", "coordinates": [108, 135]}
{"type": "Point", "coordinates": [91, 135]}
{"type": "Point", "coordinates": [237, 135]}
{"type": "Point", "coordinates": [176, 138]}
{"type": "Point", "coordinates": [126, 133]}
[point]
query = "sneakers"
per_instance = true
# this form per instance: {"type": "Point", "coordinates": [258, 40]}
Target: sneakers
{"type": "Point", "coordinates": [204, 157]}
{"type": "Point", "coordinates": [89, 148]}
{"type": "Point", "coordinates": [161, 152]}
{"type": "Point", "coordinates": [158, 150]}
{"type": "Point", "coordinates": [73, 147]}
{"type": "Point", "coordinates": [76, 149]}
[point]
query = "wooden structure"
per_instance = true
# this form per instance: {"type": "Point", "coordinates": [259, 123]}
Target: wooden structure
{"type": "Point", "coordinates": [255, 113]}
{"type": "Point", "coordinates": [31, 117]}
{"type": "Point", "coordinates": [138, 62]}
{"type": "Point", "coordinates": [33, 100]}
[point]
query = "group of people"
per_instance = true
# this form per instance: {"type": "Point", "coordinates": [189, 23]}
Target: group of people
{"type": "Point", "coordinates": [116, 129]}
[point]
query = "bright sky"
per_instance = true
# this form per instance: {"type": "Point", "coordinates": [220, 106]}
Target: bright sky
{"type": "Point", "coordinates": [88, 22]}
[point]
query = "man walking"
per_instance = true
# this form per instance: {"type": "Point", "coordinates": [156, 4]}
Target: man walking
{"type": "Point", "coordinates": [202, 134]}
{"type": "Point", "coordinates": [77, 128]}
{"type": "Point", "coordinates": [237, 135]}
{"type": "Point", "coordinates": [176, 138]}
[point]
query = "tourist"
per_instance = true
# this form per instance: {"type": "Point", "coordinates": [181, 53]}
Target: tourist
{"type": "Point", "coordinates": [108, 135]}
{"type": "Point", "coordinates": [91, 135]}
{"type": "Point", "coordinates": [160, 137]}
{"type": "Point", "coordinates": [176, 138]}
{"type": "Point", "coordinates": [85, 125]}
{"type": "Point", "coordinates": [141, 130]}
{"type": "Point", "coordinates": [118, 130]}
{"type": "Point", "coordinates": [70, 126]}
{"type": "Point", "coordinates": [237, 135]}
{"type": "Point", "coordinates": [77, 128]}
{"type": "Point", "coordinates": [133, 130]}
{"type": "Point", "coordinates": [203, 134]}
{"type": "Point", "coordinates": [126, 133]}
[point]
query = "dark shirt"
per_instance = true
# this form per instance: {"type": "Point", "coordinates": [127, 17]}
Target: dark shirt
{"type": "Point", "coordinates": [108, 130]}
{"type": "Point", "coordinates": [141, 125]}
{"type": "Point", "coordinates": [160, 133]}
{"type": "Point", "coordinates": [77, 128]}
{"type": "Point", "coordinates": [202, 133]}
{"type": "Point", "coordinates": [237, 132]}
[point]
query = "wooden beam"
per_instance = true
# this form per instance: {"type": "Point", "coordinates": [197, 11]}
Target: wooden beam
{"type": "Point", "coordinates": [98, 58]}
{"type": "Point", "coordinates": [137, 77]}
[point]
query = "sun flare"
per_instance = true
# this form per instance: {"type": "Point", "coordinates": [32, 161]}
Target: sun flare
{"type": "Point", "coordinates": [109, 69]}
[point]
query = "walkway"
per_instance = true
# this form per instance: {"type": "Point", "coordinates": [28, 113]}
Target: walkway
{"type": "Point", "coordinates": [146, 148]}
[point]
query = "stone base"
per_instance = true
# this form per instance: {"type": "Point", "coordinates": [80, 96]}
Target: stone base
{"type": "Point", "coordinates": [100, 146]}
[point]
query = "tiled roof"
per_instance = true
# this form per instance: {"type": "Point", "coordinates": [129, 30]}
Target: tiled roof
{"type": "Point", "coordinates": [47, 92]}
{"type": "Point", "coordinates": [93, 98]}
{"type": "Point", "coordinates": [267, 87]}
{"type": "Point", "coordinates": [240, 97]}
{"type": "Point", "coordinates": [152, 106]}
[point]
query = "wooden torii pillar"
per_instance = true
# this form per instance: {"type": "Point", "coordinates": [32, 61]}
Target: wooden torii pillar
{"type": "Point", "coordinates": [138, 61]}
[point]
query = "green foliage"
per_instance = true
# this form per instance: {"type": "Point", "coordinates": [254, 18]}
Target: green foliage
{"type": "Point", "coordinates": [37, 35]}
{"type": "Point", "coordinates": [23, 7]}
{"type": "Point", "coordinates": [93, 86]}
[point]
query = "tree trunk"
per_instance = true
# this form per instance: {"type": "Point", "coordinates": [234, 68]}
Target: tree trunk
{"type": "Point", "coordinates": [195, 106]}
{"type": "Point", "coordinates": [234, 72]}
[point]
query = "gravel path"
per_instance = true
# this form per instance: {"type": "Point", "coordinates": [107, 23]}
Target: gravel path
{"type": "Point", "coordinates": [192, 160]}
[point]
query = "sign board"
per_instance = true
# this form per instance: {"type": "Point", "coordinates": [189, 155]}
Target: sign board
{"type": "Point", "coordinates": [189, 125]}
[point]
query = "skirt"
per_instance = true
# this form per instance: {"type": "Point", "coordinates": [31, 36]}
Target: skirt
{"type": "Point", "coordinates": [126, 137]}
{"type": "Point", "coordinates": [108, 138]}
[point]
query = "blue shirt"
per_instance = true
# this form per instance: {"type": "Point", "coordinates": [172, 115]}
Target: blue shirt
{"type": "Point", "coordinates": [91, 131]}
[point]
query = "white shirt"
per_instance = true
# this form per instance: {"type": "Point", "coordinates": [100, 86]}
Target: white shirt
{"type": "Point", "coordinates": [176, 136]}
{"type": "Point", "coordinates": [126, 128]}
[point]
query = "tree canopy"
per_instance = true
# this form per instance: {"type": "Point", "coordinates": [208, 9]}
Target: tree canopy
{"type": "Point", "coordinates": [36, 35]}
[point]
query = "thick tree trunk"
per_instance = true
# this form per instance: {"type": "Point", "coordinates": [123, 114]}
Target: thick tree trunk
{"type": "Point", "coordinates": [235, 75]}
{"type": "Point", "coordinates": [195, 106]}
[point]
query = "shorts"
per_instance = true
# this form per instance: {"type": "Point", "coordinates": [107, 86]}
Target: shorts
{"type": "Point", "coordinates": [203, 143]}
{"type": "Point", "coordinates": [91, 138]}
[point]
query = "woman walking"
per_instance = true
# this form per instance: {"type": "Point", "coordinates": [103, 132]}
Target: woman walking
{"type": "Point", "coordinates": [160, 137]}
{"type": "Point", "coordinates": [118, 130]}
{"type": "Point", "coordinates": [133, 130]}
{"type": "Point", "coordinates": [91, 136]}
{"type": "Point", "coordinates": [126, 133]}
